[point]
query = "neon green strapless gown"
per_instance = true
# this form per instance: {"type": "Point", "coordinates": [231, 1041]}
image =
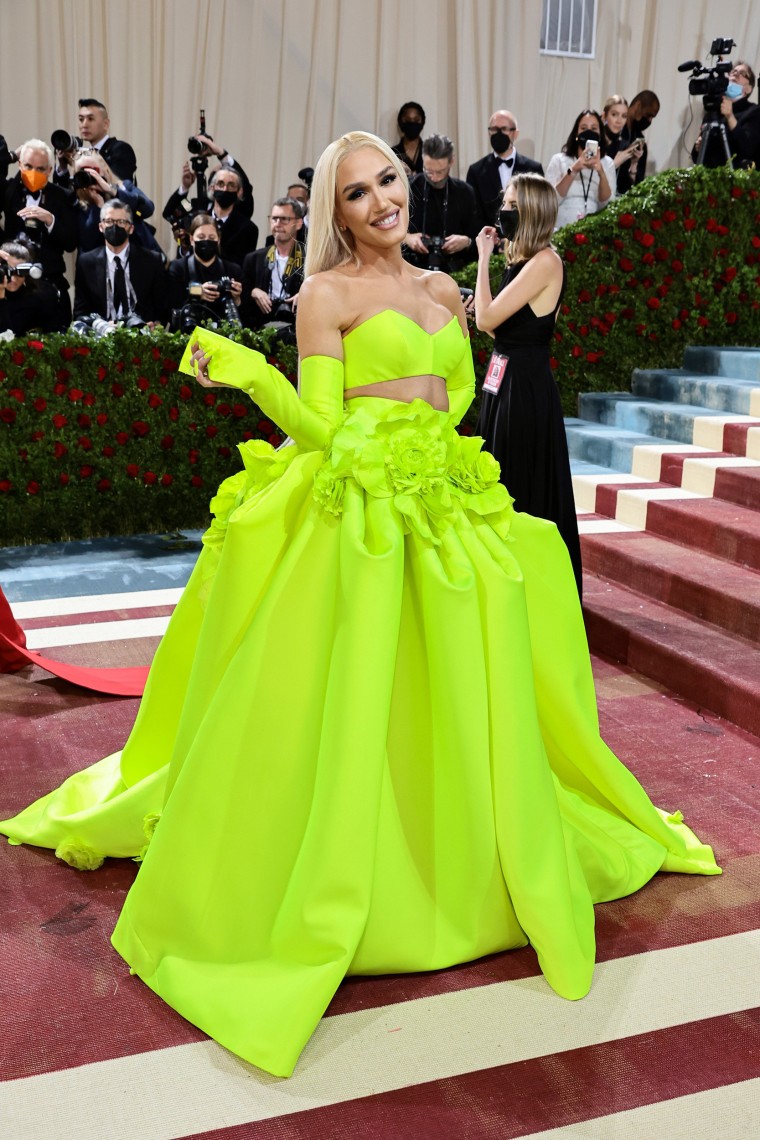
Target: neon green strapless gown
{"type": "Point", "coordinates": [369, 739]}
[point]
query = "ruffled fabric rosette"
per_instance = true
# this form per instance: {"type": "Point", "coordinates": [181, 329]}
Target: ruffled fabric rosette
{"type": "Point", "coordinates": [412, 455]}
{"type": "Point", "coordinates": [262, 465]}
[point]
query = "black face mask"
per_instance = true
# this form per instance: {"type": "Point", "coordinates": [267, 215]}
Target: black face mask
{"type": "Point", "coordinates": [225, 198]}
{"type": "Point", "coordinates": [509, 220]}
{"type": "Point", "coordinates": [115, 235]}
{"type": "Point", "coordinates": [411, 129]}
{"type": "Point", "coordinates": [206, 249]}
{"type": "Point", "coordinates": [587, 137]}
{"type": "Point", "coordinates": [500, 142]}
{"type": "Point", "coordinates": [641, 124]}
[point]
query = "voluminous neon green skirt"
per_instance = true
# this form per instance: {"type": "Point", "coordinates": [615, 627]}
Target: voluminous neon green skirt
{"type": "Point", "coordinates": [369, 743]}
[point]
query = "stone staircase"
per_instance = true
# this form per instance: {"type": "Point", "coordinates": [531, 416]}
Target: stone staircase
{"type": "Point", "coordinates": [667, 489]}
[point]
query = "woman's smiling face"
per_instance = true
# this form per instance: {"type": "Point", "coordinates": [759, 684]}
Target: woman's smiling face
{"type": "Point", "coordinates": [371, 199]}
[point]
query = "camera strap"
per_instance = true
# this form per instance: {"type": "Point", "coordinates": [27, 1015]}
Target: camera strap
{"type": "Point", "coordinates": [425, 198]}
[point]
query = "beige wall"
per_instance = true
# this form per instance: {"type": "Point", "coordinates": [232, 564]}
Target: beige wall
{"type": "Point", "coordinates": [280, 78]}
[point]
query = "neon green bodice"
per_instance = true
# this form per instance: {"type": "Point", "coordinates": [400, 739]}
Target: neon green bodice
{"type": "Point", "coordinates": [390, 346]}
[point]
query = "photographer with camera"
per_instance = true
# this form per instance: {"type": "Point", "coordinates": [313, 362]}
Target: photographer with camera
{"type": "Point", "coordinates": [273, 275]}
{"type": "Point", "coordinates": [442, 214]}
{"type": "Point", "coordinates": [725, 89]}
{"type": "Point", "coordinates": [94, 184]}
{"type": "Point", "coordinates": [642, 111]}
{"type": "Point", "coordinates": [37, 211]}
{"type": "Point", "coordinates": [204, 287]}
{"type": "Point", "coordinates": [120, 279]}
{"type": "Point", "coordinates": [27, 301]}
{"type": "Point", "coordinates": [581, 173]}
{"type": "Point", "coordinates": [93, 133]}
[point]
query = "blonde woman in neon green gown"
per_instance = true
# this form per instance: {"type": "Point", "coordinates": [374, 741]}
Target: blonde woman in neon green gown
{"type": "Point", "coordinates": [369, 740]}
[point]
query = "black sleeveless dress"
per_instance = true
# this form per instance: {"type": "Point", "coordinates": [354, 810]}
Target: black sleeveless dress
{"type": "Point", "coordinates": [522, 423]}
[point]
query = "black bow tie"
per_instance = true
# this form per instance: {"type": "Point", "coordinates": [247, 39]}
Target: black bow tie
{"type": "Point", "coordinates": [506, 161]}
{"type": "Point", "coordinates": [35, 195]}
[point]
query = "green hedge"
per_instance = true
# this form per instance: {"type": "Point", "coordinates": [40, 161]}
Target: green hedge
{"type": "Point", "coordinates": [101, 437]}
{"type": "Point", "coordinates": [674, 262]}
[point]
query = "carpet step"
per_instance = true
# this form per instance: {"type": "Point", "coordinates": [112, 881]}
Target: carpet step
{"type": "Point", "coordinates": [706, 665]}
{"type": "Point", "coordinates": [698, 584]}
{"type": "Point", "coordinates": [604, 445]}
{"type": "Point", "coordinates": [742, 363]}
{"type": "Point", "coordinates": [718, 393]}
{"type": "Point", "coordinates": [682, 423]}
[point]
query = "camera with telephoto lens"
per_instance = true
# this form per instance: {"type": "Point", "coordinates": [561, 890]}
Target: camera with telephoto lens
{"type": "Point", "coordinates": [95, 325]}
{"type": "Point", "coordinates": [82, 179]}
{"type": "Point", "coordinates": [710, 82]}
{"type": "Point", "coordinates": [30, 269]}
{"type": "Point", "coordinates": [62, 141]}
{"type": "Point", "coordinates": [224, 287]}
{"type": "Point", "coordinates": [436, 259]}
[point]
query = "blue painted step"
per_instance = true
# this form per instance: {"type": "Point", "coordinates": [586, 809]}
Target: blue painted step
{"type": "Point", "coordinates": [605, 446]}
{"type": "Point", "coordinates": [664, 420]}
{"type": "Point", "coordinates": [719, 393]}
{"type": "Point", "coordinates": [740, 363]}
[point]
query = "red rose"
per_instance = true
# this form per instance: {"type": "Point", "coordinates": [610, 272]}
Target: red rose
{"type": "Point", "coordinates": [30, 373]}
{"type": "Point", "coordinates": [169, 366]}
{"type": "Point", "coordinates": [117, 390]}
{"type": "Point", "coordinates": [211, 431]}
{"type": "Point", "coordinates": [690, 224]}
{"type": "Point", "coordinates": [37, 345]}
{"type": "Point", "coordinates": [143, 384]}
{"type": "Point", "coordinates": [594, 357]}
{"type": "Point", "coordinates": [661, 253]}
{"type": "Point", "coordinates": [669, 216]}
{"type": "Point", "coordinates": [59, 421]}
{"type": "Point", "coordinates": [59, 449]}
{"type": "Point", "coordinates": [85, 472]}
{"type": "Point", "coordinates": [32, 488]}
{"type": "Point", "coordinates": [648, 259]}
{"type": "Point", "coordinates": [88, 400]}
{"type": "Point", "coordinates": [729, 274]}
{"type": "Point", "coordinates": [570, 256]}
{"type": "Point", "coordinates": [64, 479]}
{"type": "Point", "coordinates": [119, 366]}
{"type": "Point", "coordinates": [584, 296]}
{"type": "Point", "coordinates": [102, 373]}
{"type": "Point", "coordinates": [40, 404]}
{"type": "Point", "coordinates": [63, 374]}
{"type": "Point", "coordinates": [104, 485]}
{"type": "Point", "coordinates": [627, 314]}
{"type": "Point", "coordinates": [155, 353]}
{"type": "Point", "coordinates": [731, 318]}
{"type": "Point", "coordinates": [656, 224]}
{"type": "Point", "coordinates": [239, 410]}
{"type": "Point", "coordinates": [36, 436]}
{"type": "Point", "coordinates": [722, 230]}
{"type": "Point", "coordinates": [677, 266]}
{"type": "Point", "coordinates": [703, 322]}
{"type": "Point", "coordinates": [67, 352]}
{"type": "Point", "coordinates": [647, 240]}
{"type": "Point", "coordinates": [196, 481]}
{"type": "Point", "coordinates": [107, 451]}
{"type": "Point", "coordinates": [167, 443]}
{"type": "Point", "coordinates": [185, 392]}
{"type": "Point", "coordinates": [653, 303]}
{"type": "Point", "coordinates": [209, 399]}
{"type": "Point", "coordinates": [17, 357]}
{"type": "Point", "coordinates": [166, 480]}
{"type": "Point", "coordinates": [625, 264]}
{"type": "Point", "coordinates": [601, 290]}
{"type": "Point", "coordinates": [149, 478]}
{"type": "Point", "coordinates": [84, 443]}
{"type": "Point", "coordinates": [101, 418]}
{"type": "Point", "coordinates": [140, 428]}
{"type": "Point", "coordinates": [75, 394]}
{"type": "Point", "coordinates": [174, 414]}
{"type": "Point", "coordinates": [684, 314]}
{"type": "Point", "coordinates": [121, 438]}
{"type": "Point", "coordinates": [7, 415]}
{"type": "Point", "coordinates": [225, 452]}
{"type": "Point", "coordinates": [193, 456]}
{"type": "Point", "coordinates": [83, 350]}
{"type": "Point", "coordinates": [580, 239]}
{"type": "Point", "coordinates": [626, 221]}
{"type": "Point", "coordinates": [755, 241]}
{"type": "Point", "coordinates": [193, 427]}
{"type": "Point", "coordinates": [83, 420]}
{"type": "Point", "coordinates": [133, 470]}
{"type": "Point", "coordinates": [576, 350]}
{"type": "Point", "coordinates": [711, 225]}
{"type": "Point", "coordinates": [154, 401]}
{"type": "Point", "coordinates": [618, 244]}
{"type": "Point", "coordinates": [676, 323]}
{"type": "Point", "coordinates": [224, 410]}
{"type": "Point", "coordinates": [247, 434]}
{"type": "Point", "coordinates": [5, 485]}
{"type": "Point", "coordinates": [163, 381]}
{"type": "Point", "coordinates": [17, 394]}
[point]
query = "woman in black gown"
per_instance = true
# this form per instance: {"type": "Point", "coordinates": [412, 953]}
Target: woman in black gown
{"type": "Point", "coordinates": [520, 413]}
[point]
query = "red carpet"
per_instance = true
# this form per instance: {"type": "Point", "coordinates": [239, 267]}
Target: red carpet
{"type": "Point", "coordinates": [669, 1034]}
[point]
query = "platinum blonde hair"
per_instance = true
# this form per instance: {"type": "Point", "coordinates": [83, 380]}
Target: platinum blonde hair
{"type": "Point", "coordinates": [328, 246]}
{"type": "Point", "coordinates": [37, 144]}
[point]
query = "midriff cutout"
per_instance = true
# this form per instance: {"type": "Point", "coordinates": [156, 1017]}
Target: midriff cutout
{"type": "Point", "coordinates": [431, 389]}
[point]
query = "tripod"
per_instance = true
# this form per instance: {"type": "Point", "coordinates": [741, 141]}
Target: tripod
{"type": "Point", "coordinates": [714, 127]}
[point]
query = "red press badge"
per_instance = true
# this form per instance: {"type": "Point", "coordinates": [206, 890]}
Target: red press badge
{"type": "Point", "coordinates": [497, 368]}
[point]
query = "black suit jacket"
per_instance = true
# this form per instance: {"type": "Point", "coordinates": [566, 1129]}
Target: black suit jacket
{"type": "Point", "coordinates": [120, 157]}
{"type": "Point", "coordinates": [483, 176]}
{"type": "Point", "coordinates": [257, 274]}
{"type": "Point", "coordinates": [460, 217]}
{"type": "Point", "coordinates": [63, 236]}
{"type": "Point", "coordinates": [146, 274]}
{"type": "Point", "coordinates": [744, 139]}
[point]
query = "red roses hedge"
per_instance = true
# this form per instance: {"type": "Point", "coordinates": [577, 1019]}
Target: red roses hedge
{"type": "Point", "coordinates": [103, 436]}
{"type": "Point", "coordinates": [676, 261]}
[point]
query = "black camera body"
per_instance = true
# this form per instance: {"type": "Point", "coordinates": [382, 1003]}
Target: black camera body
{"type": "Point", "coordinates": [225, 298]}
{"type": "Point", "coordinates": [82, 179]}
{"type": "Point", "coordinates": [31, 269]}
{"type": "Point", "coordinates": [710, 82]}
{"type": "Point", "coordinates": [437, 259]}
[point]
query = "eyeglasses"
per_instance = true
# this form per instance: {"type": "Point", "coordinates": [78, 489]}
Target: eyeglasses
{"type": "Point", "coordinates": [123, 225]}
{"type": "Point", "coordinates": [281, 218]}
{"type": "Point", "coordinates": [493, 130]}
{"type": "Point", "coordinates": [739, 73]}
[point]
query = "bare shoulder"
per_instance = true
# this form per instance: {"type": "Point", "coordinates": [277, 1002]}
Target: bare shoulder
{"type": "Point", "coordinates": [444, 291]}
{"type": "Point", "coordinates": [322, 303]}
{"type": "Point", "coordinates": [543, 267]}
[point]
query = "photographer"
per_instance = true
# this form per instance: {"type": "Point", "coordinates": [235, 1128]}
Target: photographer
{"type": "Point", "coordinates": [120, 279]}
{"type": "Point", "coordinates": [272, 276]}
{"type": "Point", "coordinates": [581, 173]}
{"type": "Point", "coordinates": [95, 184]}
{"type": "Point", "coordinates": [39, 212]}
{"type": "Point", "coordinates": [733, 106]}
{"type": "Point", "coordinates": [442, 214]}
{"type": "Point", "coordinates": [26, 304]}
{"type": "Point", "coordinates": [93, 132]}
{"type": "Point", "coordinates": [203, 280]}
